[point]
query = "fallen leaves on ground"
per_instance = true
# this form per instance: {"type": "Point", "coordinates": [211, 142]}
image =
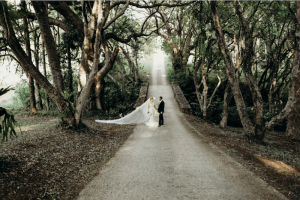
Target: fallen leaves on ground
{"type": "Point", "coordinates": [271, 160]}
{"type": "Point", "coordinates": [49, 162]}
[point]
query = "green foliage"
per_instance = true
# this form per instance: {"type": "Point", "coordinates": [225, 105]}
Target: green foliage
{"type": "Point", "coordinates": [14, 14]}
{"type": "Point", "coordinates": [70, 39]}
{"type": "Point", "coordinates": [215, 111]}
{"type": "Point", "coordinates": [268, 116]}
{"type": "Point", "coordinates": [117, 103]}
{"type": "Point", "coordinates": [74, 83]}
{"type": "Point", "coordinates": [70, 106]}
{"type": "Point", "coordinates": [22, 95]}
{"type": "Point", "coordinates": [5, 90]}
{"type": "Point", "coordinates": [7, 127]}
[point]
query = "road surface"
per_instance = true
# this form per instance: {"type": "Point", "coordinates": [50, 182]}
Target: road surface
{"type": "Point", "coordinates": [171, 162]}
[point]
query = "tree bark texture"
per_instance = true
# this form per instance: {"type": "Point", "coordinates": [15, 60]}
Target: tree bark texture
{"type": "Point", "coordinates": [98, 91]}
{"type": "Point", "coordinates": [87, 56]}
{"type": "Point", "coordinates": [197, 86]}
{"type": "Point", "coordinates": [202, 98]}
{"type": "Point", "coordinates": [85, 92]}
{"type": "Point", "coordinates": [70, 73]}
{"type": "Point", "coordinates": [130, 63]}
{"type": "Point", "coordinates": [36, 58]}
{"type": "Point", "coordinates": [136, 72]}
{"type": "Point", "coordinates": [26, 62]}
{"type": "Point", "coordinates": [53, 58]}
{"type": "Point", "coordinates": [227, 99]}
{"type": "Point", "coordinates": [32, 97]}
{"type": "Point", "coordinates": [249, 129]}
{"type": "Point", "coordinates": [247, 53]}
{"type": "Point", "coordinates": [290, 105]}
{"type": "Point", "coordinates": [45, 73]}
{"type": "Point", "coordinates": [293, 125]}
{"type": "Point", "coordinates": [28, 52]}
{"type": "Point", "coordinates": [180, 52]}
{"type": "Point", "coordinates": [123, 71]}
{"type": "Point", "coordinates": [204, 92]}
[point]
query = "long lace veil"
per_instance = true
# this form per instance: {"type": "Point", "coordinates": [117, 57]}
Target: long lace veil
{"type": "Point", "coordinates": [137, 116]}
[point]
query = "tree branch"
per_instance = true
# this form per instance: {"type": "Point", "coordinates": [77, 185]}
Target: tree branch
{"type": "Point", "coordinates": [52, 21]}
{"type": "Point", "coordinates": [116, 16]}
{"type": "Point", "coordinates": [114, 80]}
{"type": "Point", "coordinates": [142, 29]}
{"type": "Point", "coordinates": [214, 90]}
{"type": "Point", "coordinates": [2, 55]}
{"type": "Point", "coordinates": [254, 11]}
{"type": "Point", "coordinates": [151, 6]}
{"type": "Point", "coordinates": [288, 5]}
{"type": "Point", "coordinates": [69, 15]}
{"type": "Point", "coordinates": [133, 35]}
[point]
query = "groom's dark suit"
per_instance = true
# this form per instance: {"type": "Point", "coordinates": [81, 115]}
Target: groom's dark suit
{"type": "Point", "coordinates": [161, 110]}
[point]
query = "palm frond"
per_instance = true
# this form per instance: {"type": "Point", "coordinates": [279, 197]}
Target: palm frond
{"type": "Point", "coordinates": [5, 90]}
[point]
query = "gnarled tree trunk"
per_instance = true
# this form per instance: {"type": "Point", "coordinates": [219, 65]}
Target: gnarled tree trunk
{"type": "Point", "coordinates": [249, 129]}
{"type": "Point", "coordinates": [27, 64]}
{"type": "Point", "coordinates": [136, 66]}
{"type": "Point", "coordinates": [130, 63]}
{"type": "Point", "coordinates": [227, 99]}
{"type": "Point", "coordinates": [98, 91]}
{"type": "Point", "coordinates": [70, 73]}
{"type": "Point", "coordinates": [53, 58]}
{"type": "Point", "coordinates": [293, 125]}
{"type": "Point", "coordinates": [247, 58]}
{"type": "Point", "coordinates": [36, 58]}
{"type": "Point", "coordinates": [28, 52]}
{"type": "Point", "coordinates": [45, 74]}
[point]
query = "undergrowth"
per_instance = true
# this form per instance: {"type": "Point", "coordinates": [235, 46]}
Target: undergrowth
{"type": "Point", "coordinates": [215, 111]}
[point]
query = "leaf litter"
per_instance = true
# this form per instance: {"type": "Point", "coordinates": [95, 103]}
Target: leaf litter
{"type": "Point", "coordinates": [50, 162]}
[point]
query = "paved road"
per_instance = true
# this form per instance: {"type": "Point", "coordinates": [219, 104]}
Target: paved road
{"type": "Point", "coordinates": [171, 162]}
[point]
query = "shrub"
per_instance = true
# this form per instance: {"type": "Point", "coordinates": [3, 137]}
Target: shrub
{"type": "Point", "coordinates": [7, 126]}
{"type": "Point", "coordinates": [118, 104]}
{"type": "Point", "coordinates": [21, 95]}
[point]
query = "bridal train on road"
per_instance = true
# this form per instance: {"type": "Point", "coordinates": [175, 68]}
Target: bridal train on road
{"type": "Point", "coordinates": [138, 116]}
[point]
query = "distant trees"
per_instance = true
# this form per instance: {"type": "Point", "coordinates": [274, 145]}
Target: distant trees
{"type": "Point", "coordinates": [97, 30]}
{"type": "Point", "coordinates": [177, 34]}
{"type": "Point", "coordinates": [258, 45]}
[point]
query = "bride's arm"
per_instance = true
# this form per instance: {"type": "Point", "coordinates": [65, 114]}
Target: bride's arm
{"type": "Point", "coordinates": [148, 106]}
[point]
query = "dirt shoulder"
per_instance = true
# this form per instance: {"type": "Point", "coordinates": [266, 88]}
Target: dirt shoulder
{"type": "Point", "coordinates": [48, 162]}
{"type": "Point", "coordinates": [277, 161]}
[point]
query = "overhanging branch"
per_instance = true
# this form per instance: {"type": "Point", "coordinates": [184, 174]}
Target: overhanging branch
{"type": "Point", "coordinates": [9, 55]}
{"type": "Point", "coordinates": [52, 21]}
{"type": "Point", "coordinates": [152, 6]}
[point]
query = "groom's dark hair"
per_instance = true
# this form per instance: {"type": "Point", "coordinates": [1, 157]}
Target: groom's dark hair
{"type": "Point", "coordinates": [160, 97]}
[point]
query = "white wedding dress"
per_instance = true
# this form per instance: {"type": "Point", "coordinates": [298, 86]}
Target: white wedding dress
{"type": "Point", "coordinates": [138, 116]}
{"type": "Point", "coordinates": [151, 121]}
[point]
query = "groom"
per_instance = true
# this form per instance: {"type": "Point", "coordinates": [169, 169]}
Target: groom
{"type": "Point", "coordinates": [161, 110]}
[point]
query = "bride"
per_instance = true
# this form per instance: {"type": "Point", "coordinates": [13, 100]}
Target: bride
{"type": "Point", "coordinates": [151, 111]}
{"type": "Point", "coordinates": [142, 114]}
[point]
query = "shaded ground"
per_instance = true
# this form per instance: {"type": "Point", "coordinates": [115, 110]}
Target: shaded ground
{"type": "Point", "coordinates": [277, 161]}
{"type": "Point", "coordinates": [47, 162]}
